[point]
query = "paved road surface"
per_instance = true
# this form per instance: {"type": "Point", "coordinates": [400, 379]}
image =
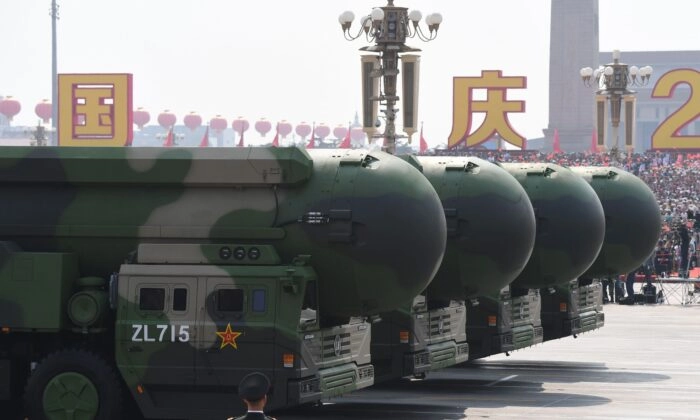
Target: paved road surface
{"type": "Point", "coordinates": [644, 364]}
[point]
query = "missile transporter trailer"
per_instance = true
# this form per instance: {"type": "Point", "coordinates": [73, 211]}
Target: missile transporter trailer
{"type": "Point", "coordinates": [174, 273]}
{"type": "Point", "coordinates": [569, 232]}
{"type": "Point", "coordinates": [177, 319]}
{"type": "Point", "coordinates": [632, 227]}
{"type": "Point", "coordinates": [484, 208]}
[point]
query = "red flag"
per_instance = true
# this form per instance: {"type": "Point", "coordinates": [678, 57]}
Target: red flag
{"type": "Point", "coordinates": [205, 139]}
{"type": "Point", "coordinates": [345, 144]}
{"type": "Point", "coordinates": [276, 140]}
{"type": "Point", "coordinates": [679, 160]}
{"type": "Point", "coordinates": [594, 141]}
{"type": "Point", "coordinates": [556, 142]}
{"type": "Point", "coordinates": [311, 144]}
{"type": "Point", "coordinates": [423, 143]}
{"type": "Point", "coordinates": [240, 141]}
{"type": "Point", "coordinates": [169, 142]}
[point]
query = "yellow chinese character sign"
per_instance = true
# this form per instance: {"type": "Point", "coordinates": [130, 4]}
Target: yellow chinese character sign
{"type": "Point", "coordinates": [668, 133]}
{"type": "Point", "coordinates": [95, 110]}
{"type": "Point", "coordinates": [495, 109]}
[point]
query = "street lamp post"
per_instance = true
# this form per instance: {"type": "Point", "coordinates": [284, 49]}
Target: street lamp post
{"type": "Point", "coordinates": [54, 73]}
{"type": "Point", "coordinates": [612, 82]}
{"type": "Point", "coordinates": [388, 27]}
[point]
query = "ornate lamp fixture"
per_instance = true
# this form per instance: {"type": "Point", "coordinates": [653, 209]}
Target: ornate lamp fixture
{"type": "Point", "coordinates": [388, 27]}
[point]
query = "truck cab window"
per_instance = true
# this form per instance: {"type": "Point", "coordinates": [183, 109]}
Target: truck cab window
{"type": "Point", "coordinates": [259, 303]}
{"type": "Point", "coordinates": [310, 296]}
{"type": "Point", "coordinates": [152, 299]}
{"type": "Point", "coordinates": [229, 300]}
{"type": "Point", "coordinates": [180, 299]}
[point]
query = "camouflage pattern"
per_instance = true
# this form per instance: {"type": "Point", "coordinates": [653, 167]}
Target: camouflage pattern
{"type": "Point", "coordinates": [490, 226]}
{"type": "Point", "coordinates": [370, 222]}
{"type": "Point", "coordinates": [632, 220]}
{"type": "Point", "coordinates": [570, 224]}
{"type": "Point", "coordinates": [318, 237]}
{"type": "Point", "coordinates": [326, 362]}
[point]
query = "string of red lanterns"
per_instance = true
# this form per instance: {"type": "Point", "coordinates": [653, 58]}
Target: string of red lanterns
{"type": "Point", "coordinates": [10, 107]}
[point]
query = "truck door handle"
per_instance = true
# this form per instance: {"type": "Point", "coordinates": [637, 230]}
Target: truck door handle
{"type": "Point", "coordinates": [134, 349]}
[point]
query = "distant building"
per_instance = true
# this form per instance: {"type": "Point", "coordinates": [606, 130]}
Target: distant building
{"type": "Point", "coordinates": [573, 45]}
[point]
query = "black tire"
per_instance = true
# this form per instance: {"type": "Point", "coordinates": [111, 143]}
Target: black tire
{"type": "Point", "coordinates": [93, 368]}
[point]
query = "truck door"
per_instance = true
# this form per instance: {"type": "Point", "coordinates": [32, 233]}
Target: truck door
{"type": "Point", "coordinates": [236, 331]}
{"type": "Point", "coordinates": [157, 335]}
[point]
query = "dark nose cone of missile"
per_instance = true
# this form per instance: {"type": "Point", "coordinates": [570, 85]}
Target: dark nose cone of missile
{"type": "Point", "coordinates": [490, 226]}
{"type": "Point", "coordinates": [397, 237]}
{"type": "Point", "coordinates": [632, 220]}
{"type": "Point", "coordinates": [570, 224]}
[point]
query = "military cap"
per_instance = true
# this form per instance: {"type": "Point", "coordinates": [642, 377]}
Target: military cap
{"type": "Point", "coordinates": [253, 386]}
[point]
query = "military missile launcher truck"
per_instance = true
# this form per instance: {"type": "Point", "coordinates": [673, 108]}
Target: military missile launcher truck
{"type": "Point", "coordinates": [632, 227]}
{"type": "Point", "coordinates": [570, 227]}
{"type": "Point", "coordinates": [176, 272]}
{"type": "Point", "coordinates": [490, 235]}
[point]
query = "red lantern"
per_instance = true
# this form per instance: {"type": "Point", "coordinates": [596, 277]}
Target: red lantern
{"type": "Point", "coordinates": [141, 117]}
{"type": "Point", "coordinates": [192, 120]}
{"type": "Point", "coordinates": [240, 125]}
{"type": "Point", "coordinates": [303, 130]}
{"type": "Point", "coordinates": [43, 110]}
{"type": "Point", "coordinates": [167, 119]}
{"type": "Point", "coordinates": [340, 131]}
{"type": "Point", "coordinates": [322, 131]}
{"type": "Point", "coordinates": [218, 124]}
{"type": "Point", "coordinates": [10, 107]}
{"type": "Point", "coordinates": [263, 126]}
{"type": "Point", "coordinates": [284, 128]}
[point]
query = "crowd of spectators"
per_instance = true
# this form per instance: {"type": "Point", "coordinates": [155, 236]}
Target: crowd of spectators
{"type": "Point", "coordinates": [673, 176]}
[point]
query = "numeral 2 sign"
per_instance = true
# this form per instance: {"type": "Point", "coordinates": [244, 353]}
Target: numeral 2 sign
{"type": "Point", "coordinates": [667, 134]}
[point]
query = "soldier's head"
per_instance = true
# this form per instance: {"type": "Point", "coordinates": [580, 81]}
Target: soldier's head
{"type": "Point", "coordinates": [253, 390]}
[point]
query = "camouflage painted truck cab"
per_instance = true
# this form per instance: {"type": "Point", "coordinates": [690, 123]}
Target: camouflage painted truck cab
{"type": "Point", "coordinates": [176, 272]}
{"type": "Point", "coordinates": [484, 208]}
{"type": "Point", "coordinates": [632, 227]}
{"type": "Point", "coordinates": [188, 326]}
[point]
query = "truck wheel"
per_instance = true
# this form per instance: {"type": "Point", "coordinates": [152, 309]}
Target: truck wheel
{"type": "Point", "coordinates": [73, 385]}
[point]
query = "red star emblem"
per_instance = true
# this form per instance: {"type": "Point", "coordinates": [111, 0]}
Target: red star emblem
{"type": "Point", "coordinates": [228, 337]}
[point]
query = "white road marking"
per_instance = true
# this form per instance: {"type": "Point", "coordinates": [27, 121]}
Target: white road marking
{"type": "Point", "coordinates": [507, 378]}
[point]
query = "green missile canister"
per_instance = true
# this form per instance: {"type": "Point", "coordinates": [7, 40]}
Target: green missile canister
{"type": "Point", "coordinates": [632, 220]}
{"type": "Point", "coordinates": [570, 224]}
{"type": "Point", "coordinates": [490, 226]}
{"type": "Point", "coordinates": [371, 225]}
